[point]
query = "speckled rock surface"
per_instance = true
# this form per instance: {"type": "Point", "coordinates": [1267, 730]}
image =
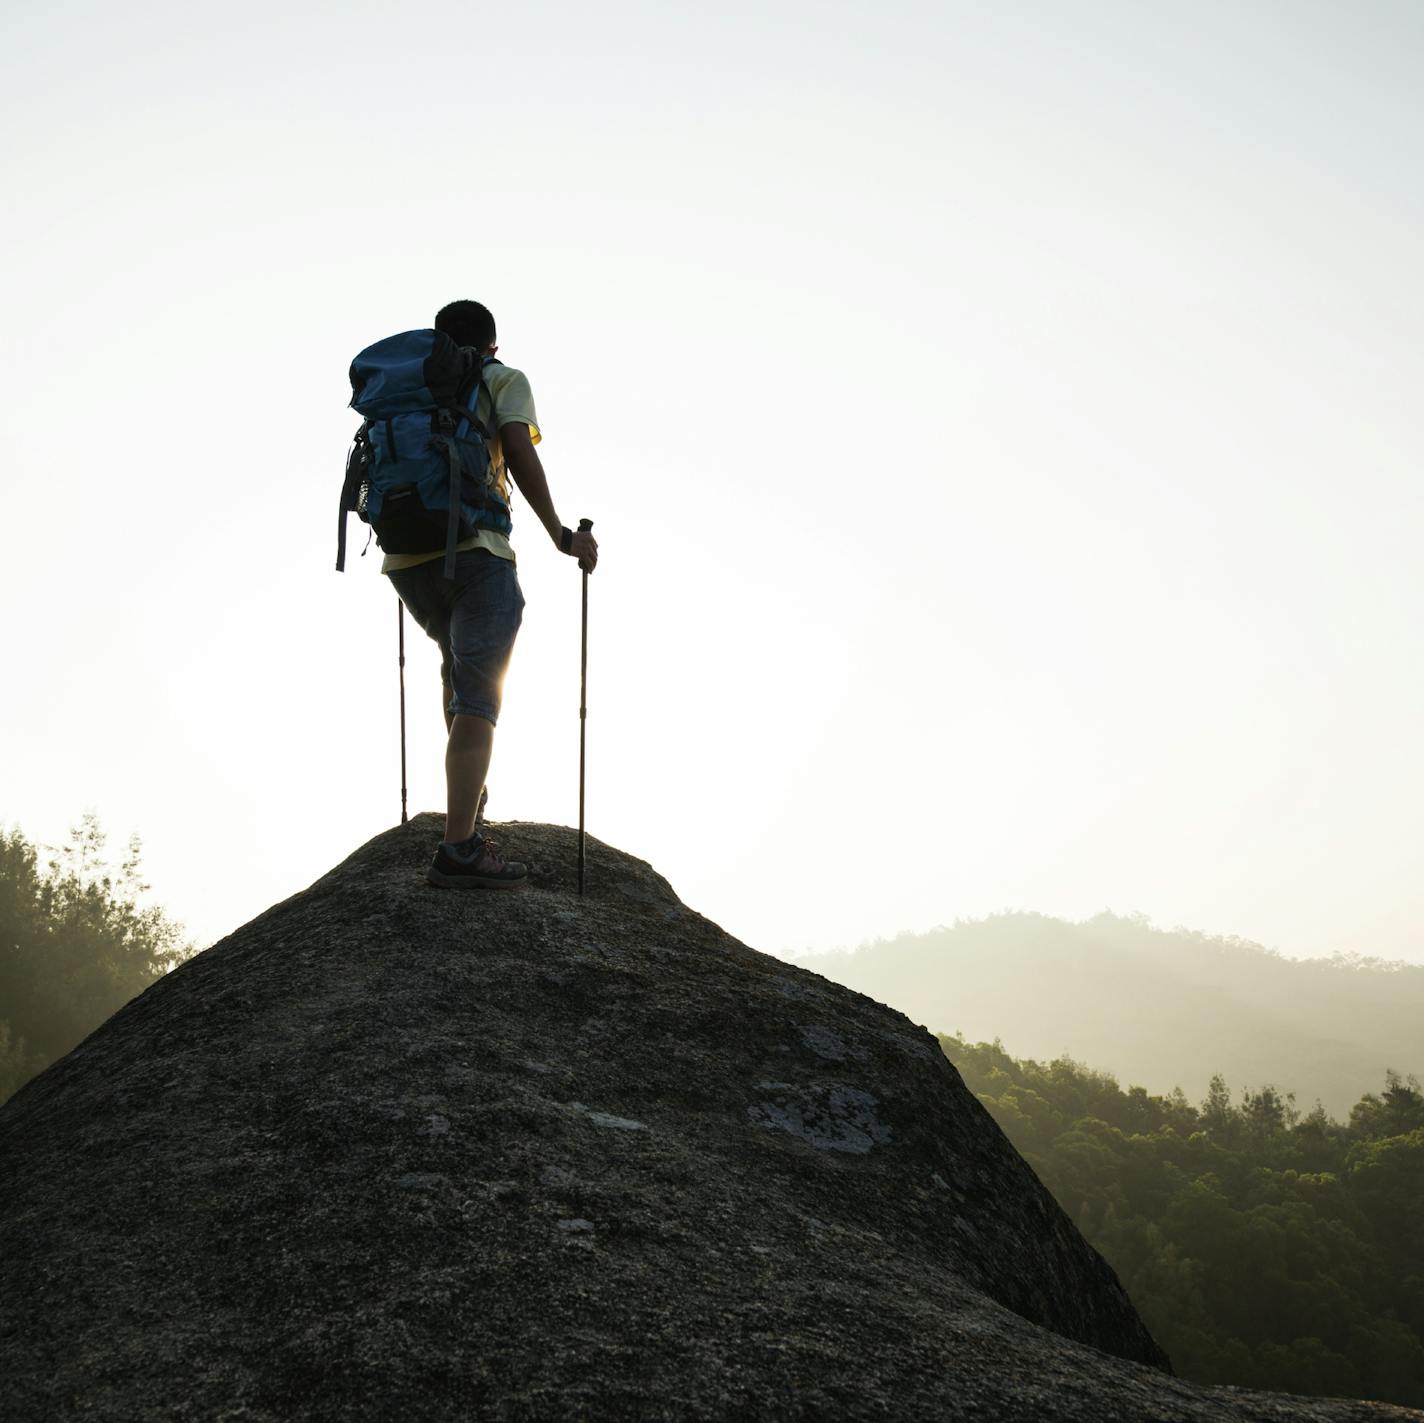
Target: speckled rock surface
{"type": "Point", "coordinates": [390, 1152]}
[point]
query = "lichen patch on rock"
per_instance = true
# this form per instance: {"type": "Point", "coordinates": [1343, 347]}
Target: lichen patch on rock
{"type": "Point", "coordinates": [828, 1116]}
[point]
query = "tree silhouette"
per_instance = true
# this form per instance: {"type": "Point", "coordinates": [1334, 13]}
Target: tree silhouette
{"type": "Point", "coordinates": [76, 943]}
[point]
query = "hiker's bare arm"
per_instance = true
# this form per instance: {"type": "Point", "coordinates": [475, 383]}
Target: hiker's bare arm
{"type": "Point", "coordinates": [527, 471]}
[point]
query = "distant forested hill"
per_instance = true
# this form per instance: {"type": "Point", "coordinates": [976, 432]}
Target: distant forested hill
{"type": "Point", "coordinates": [1165, 1008]}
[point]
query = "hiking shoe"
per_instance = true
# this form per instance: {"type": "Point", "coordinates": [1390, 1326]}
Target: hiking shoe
{"type": "Point", "coordinates": [474, 864]}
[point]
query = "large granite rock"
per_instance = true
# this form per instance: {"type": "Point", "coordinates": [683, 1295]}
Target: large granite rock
{"type": "Point", "coordinates": [395, 1153]}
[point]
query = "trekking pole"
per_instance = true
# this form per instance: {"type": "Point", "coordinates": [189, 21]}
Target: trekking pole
{"type": "Point", "coordinates": [400, 625]}
{"type": "Point", "coordinates": [584, 526]}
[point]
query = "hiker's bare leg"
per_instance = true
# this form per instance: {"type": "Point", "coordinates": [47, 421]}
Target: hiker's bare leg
{"type": "Point", "coordinates": [467, 758]}
{"type": "Point", "coordinates": [447, 696]}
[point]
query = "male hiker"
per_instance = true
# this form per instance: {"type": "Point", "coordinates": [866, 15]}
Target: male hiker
{"type": "Point", "coordinates": [475, 615]}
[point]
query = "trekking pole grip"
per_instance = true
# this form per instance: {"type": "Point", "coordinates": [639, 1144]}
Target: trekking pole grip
{"type": "Point", "coordinates": [585, 525]}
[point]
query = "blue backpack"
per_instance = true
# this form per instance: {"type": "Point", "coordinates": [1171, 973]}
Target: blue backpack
{"type": "Point", "coordinates": [419, 469]}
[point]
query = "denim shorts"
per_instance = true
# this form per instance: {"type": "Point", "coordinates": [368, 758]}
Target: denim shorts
{"type": "Point", "coordinates": [475, 618]}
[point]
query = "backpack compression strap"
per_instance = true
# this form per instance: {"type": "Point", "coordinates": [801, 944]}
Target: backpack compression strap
{"type": "Point", "coordinates": [350, 492]}
{"type": "Point", "coordinates": [453, 523]}
{"type": "Point", "coordinates": [463, 419]}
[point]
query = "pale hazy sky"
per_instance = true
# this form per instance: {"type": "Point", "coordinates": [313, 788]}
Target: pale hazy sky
{"type": "Point", "coordinates": [1001, 422]}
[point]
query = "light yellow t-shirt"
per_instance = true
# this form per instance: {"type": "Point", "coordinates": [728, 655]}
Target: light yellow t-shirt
{"type": "Point", "coordinates": [513, 401]}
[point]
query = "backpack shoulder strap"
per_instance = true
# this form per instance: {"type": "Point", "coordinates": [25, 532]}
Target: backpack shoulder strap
{"type": "Point", "coordinates": [470, 399]}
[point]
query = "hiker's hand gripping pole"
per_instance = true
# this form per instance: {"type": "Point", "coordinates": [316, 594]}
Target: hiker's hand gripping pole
{"type": "Point", "coordinates": [584, 526]}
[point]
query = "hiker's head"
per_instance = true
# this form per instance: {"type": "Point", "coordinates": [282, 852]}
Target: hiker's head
{"type": "Point", "coordinates": [467, 323]}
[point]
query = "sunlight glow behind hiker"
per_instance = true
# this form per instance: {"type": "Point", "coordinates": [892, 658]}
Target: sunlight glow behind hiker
{"type": "Point", "coordinates": [1004, 420]}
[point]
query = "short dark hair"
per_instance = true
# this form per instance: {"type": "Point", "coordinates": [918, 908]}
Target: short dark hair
{"type": "Point", "coordinates": [467, 323]}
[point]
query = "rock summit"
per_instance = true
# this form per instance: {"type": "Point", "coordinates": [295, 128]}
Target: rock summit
{"type": "Point", "coordinates": [389, 1152]}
